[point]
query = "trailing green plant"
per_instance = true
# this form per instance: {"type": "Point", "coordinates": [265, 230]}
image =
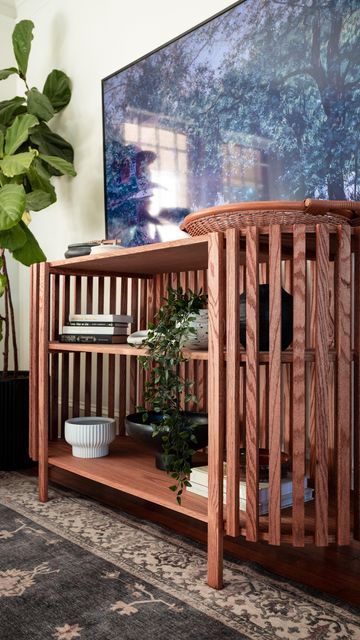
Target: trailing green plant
{"type": "Point", "coordinates": [166, 386]}
{"type": "Point", "coordinates": [30, 155]}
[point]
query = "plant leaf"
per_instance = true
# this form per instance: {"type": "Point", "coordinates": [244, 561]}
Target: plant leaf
{"type": "Point", "coordinates": [21, 39]}
{"type": "Point", "coordinates": [30, 252]}
{"type": "Point", "coordinates": [3, 283]}
{"type": "Point", "coordinates": [38, 199]}
{"type": "Point", "coordinates": [17, 164]}
{"type": "Point", "coordinates": [2, 138]}
{"type": "Point", "coordinates": [18, 132]}
{"type": "Point", "coordinates": [13, 238]}
{"type": "Point", "coordinates": [5, 73]}
{"type": "Point", "coordinates": [11, 108]}
{"type": "Point", "coordinates": [39, 104]}
{"type": "Point", "coordinates": [57, 89]}
{"type": "Point", "coordinates": [12, 205]}
{"type": "Point", "coordinates": [40, 179]}
{"type": "Point", "coordinates": [60, 164]}
{"type": "Point", "coordinates": [51, 144]}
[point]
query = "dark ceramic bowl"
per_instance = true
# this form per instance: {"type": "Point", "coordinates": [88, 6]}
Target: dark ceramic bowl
{"type": "Point", "coordinates": [143, 432]}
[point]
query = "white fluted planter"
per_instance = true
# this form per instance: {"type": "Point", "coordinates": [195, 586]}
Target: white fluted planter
{"type": "Point", "coordinates": [90, 436]}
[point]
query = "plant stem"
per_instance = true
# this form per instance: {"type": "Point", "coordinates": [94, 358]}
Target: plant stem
{"type": "Point", "coordinates": [9, 326]}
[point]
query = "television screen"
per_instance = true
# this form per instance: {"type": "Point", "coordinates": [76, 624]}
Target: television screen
{"type": "Point", "coordinates": [260, 102]}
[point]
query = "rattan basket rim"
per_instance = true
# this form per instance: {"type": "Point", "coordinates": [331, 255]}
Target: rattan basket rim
{"type": "Point", "coordinates": [347, 209]}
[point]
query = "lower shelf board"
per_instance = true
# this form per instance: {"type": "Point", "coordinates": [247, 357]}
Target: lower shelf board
{"type": "Point", "coordinates": [131, 469]}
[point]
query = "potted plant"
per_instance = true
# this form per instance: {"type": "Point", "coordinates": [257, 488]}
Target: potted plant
{"type": "Point", "coordinates": [173, 433]}
{"type": "Point", "coordinates": [30, 155]}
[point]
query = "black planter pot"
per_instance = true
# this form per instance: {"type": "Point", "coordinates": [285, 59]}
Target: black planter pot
{"type": "Point", "coordinates": [264, 314]}
{"type": "Point", "coordinates": [142, 432]}
{"type": "Point", "coordinates": [14, 421]}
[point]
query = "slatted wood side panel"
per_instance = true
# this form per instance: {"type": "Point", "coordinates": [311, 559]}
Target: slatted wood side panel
{"type": "Point", "coordinates": [111, 359]}
{"type": "Point", "coordinates": [232, 382]}
{"type": "Point", "coordinates": [298, 384]}
{"type": "Point", "coordinates": [322, 381]}
{"type": "Point", "coordinates": [200, 365]}
{"type": "Point", "coordinates": [252, 385]}
{"type": "Point", "coordinates": [343, 390]}
{"type": "Point", "coordinates": [88, 356]}
{"type": "Point", "coordinates": [122, 361]}
{"type": "Point", "coordinates": [190, 367]}
{"type": "Point", "coordinates": [99, 370]}
{"type": "Point", "coordinates": [275, 384]}
{"type": "Point", "coordinates": [43, 379]}
{"type": "Point", "coordinates": [142, 326]}
{"type": "Point", "coordinates": [356, 401]}
{"type": "Point", "coordinates": [133, 364]}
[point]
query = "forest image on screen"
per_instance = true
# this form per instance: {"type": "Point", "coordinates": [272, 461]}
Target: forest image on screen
{"type": "Point", "coordinates": [260, 103]}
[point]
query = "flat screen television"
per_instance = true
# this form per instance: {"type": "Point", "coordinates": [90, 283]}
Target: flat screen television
{"type": "Point", "coordinates": [260, 102]}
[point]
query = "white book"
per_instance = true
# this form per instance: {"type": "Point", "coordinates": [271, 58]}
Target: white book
{"type": "Point", "coordinates": [99, 317]}
{"type": "Point", "coordinates": [90, 330]}
{"type": "Point", "coordinates": [200, 476]}
{"type": "Point", "coordinates": [286, 499]}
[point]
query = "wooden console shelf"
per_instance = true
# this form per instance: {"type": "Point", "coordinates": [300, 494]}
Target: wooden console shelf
{"type": "Point", "coordinates": [304, 400]}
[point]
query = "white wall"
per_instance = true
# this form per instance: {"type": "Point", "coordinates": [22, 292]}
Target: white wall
{"type": "Point", "coordinates": [89, 40]}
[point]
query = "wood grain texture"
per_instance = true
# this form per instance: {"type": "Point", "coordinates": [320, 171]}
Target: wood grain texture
{"type": "Point", "coordinates": [43, 378]}
{"type": "Point", "coordinates": [252, 384]}
{"type": "Point", "coordinates": [111, 360]}
{"type": "Point", "coordinates": [232, 382]}
{"type": "Point", "coordinates": [322, 381]}
{"type": "Point", "coordinates": [54, 370]}
{"type": "Point", "coordinates": [190, 373]}
{"type": "Point", "coordinates": [76, 367]}
{"type": "Point", "coordinates": [343, 387]}
{"type": "Point", "coordinates": [100, 357]}
{"type": "Point", "coordinates": [298, 386]}
{"type": "Point", "coordinates": [122, 364]}
{"type": "Point", "coordinates": [34, 364]}
{"type": "Point", "coordinates": [356, 401]}
{"type": "Point", "coordinates": [133, 364]}
{"type": "Point", "coordinates": [275, 383]}
{"type": "Point", "coordinates": [88, 357]}
{"type": "Point", "coordinates": [65, 360]}
{"type": "Point", "coordinates": [216, 284]}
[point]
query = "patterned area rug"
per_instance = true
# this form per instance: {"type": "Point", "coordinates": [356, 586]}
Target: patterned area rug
{"type": "Point", "coordinates": [72, 569]}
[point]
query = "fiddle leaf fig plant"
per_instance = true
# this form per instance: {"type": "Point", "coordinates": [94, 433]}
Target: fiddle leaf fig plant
{"type": "Point", "coordinates": [30, 155]}
{"type": "Point", "coordinates": [165, 385]}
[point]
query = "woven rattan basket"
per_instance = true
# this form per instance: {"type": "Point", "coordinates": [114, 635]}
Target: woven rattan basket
{"type": "Point", "coordinates": [263, 214]}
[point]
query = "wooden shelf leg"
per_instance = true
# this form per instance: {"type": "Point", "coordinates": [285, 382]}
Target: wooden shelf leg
{"type": "Point", "coordinates": [216, 409]}
{"type": "Point", "coordinates": [43, 378]}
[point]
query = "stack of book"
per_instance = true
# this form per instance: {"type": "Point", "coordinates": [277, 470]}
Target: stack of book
{"type": "Point", "coordinates": [96, 328]}
{"type": "Point", "coordinates": [199, 485]}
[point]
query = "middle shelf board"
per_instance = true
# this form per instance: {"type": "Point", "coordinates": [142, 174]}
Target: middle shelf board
{"type": "Point", "coordinates": [127, 350]}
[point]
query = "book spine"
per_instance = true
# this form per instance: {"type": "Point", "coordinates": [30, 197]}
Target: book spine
{"type": "Point", "coordinates": [82, 323]}
{"type": "Point", "coordinates": [95, 330]}
{"type": "Point", "coordinates": [91, 339]}
{"type": "Point", "coordinates": [99, 317]}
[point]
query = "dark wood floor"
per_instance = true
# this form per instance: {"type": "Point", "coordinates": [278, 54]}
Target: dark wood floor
{"type": "Point", "coordinates": [333, 570]}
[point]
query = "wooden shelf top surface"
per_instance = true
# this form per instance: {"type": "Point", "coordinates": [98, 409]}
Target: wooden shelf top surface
{"type": "Point", "coordinates": [129, 468]}
{"type": "Point", "coordinates": [148, 260]}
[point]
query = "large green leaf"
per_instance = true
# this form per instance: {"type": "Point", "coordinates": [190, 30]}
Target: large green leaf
{"type": "Point", "coordinates": [21, 39]}
{"type": "Point", "coordinates": [40, 179]}
{"type": "Point", "coordinates": [19, 132]}
{"type": "Point", "coordinates": [51, 144]}
{"type": "Point", "coordinates": [13, 238]}
{"type": "Point", "coordinates": [2, 138]}
{"type": "Point", "coordinates": [5, 73]}
{"type": "Point", "coordinates": [38, 199]}
{"type": "Point", "coordinates": [3, 283]}
{"type": "Point", "coordinates": [60, 164]}
{"type": "Point", "coordinates": [57, 89]}
{"type": "Point", "coordinates": [30, 252]}
{"type": "Point", "coordinates": [12, 205]}
{"type": "Point", "coordinates": [39, 104]}
{"type": "Point", "coordinates": [19, 163]}
{"type": "Point", "coordinates": [11, 108]}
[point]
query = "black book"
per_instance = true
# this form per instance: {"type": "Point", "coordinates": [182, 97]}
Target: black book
{"type": "Point", "coordinates": [91, 339]}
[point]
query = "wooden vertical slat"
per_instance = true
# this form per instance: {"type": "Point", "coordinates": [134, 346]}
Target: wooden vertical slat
{"type": "Point", "coordinates": [356, 402]}
{"type": "Point", "coordinates": [232, 382]}
{"type": "Point", "coordinates": [252, 385]}
{"type": "Point", "coordinates": [286, 375]}
{"type": "Point", "coordinates": [111, 361]}
{"type": "Point", "coordinates": [54, 375]}
{"type": "Point", "coordinates": [298, 385]}
{"type": "Point", "coordinates": [183, 368]}
{"type": "Point", "coordinates": [150, 312]}
{"type": "Point", "coordinates": [133, 359]}
{"type": "Point", "coordinates": [65, 360]}
{"type": "Point", "coordinates": [200, 370]}
{"type": "Point", "coordinates": [100, 357]}
{"type": "Point", "coordinates": [43, 377]}
{"type": "Point", "coordinates": [141, 326]}
{"type": "Point", "coordinates": [191, 364]}
{"type": "Point", "coordinates": [34, 364]}
{"type": "Point", "coordinates": [343, 387]}
{"type": "Point", "coordinates": [122, 364]}
{"type": "Point", "coordinates": [321, 391]}
{"type": "Point", "coordinates": [216, 408]}
{"type": "Point", "coordinates": [275, 384]}
{"type": "Point", "coordinates": [88, 358]}
{"type": "Point", "coordinates": [76, 369]}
